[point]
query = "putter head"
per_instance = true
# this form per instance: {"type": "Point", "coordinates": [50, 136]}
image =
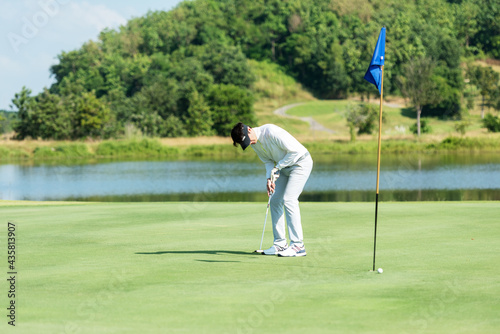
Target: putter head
{"type": "Point", "coordinates": [259, 251]}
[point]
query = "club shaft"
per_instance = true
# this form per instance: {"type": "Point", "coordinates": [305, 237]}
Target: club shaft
{"type": "Point", "coordinates": [265, 220]}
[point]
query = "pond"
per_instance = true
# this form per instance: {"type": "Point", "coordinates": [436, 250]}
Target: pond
{"type": "Point", "coordinates": [334, 178]}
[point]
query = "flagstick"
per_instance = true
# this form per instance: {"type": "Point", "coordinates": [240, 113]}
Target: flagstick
{"type": "Point", "coordinates": [378, 162]}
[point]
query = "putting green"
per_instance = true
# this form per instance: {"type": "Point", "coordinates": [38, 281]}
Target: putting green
{"type": "Point", "coordinates": [188, 268]}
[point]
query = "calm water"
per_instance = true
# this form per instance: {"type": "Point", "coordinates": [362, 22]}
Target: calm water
{"type": "Point", "coordinates": [336, 178]}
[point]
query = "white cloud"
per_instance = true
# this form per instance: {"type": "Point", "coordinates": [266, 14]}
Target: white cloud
{"type": "Point", "coordinates": [80, 21]}
{"type": "Point", "coordinates": [97, 17]}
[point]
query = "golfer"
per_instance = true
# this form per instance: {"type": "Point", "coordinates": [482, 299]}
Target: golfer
{"type": "Point", "coordinates": [282, 154]}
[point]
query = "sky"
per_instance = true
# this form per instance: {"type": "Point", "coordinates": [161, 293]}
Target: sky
{"type": "Point", "coordinates": [34, 32]}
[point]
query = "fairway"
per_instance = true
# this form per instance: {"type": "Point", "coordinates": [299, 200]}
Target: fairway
{"type": "Point", "coordinates": [188, 268]}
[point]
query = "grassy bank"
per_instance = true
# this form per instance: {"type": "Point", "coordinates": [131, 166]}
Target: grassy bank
{"type": "Point", "coordinates": [189, 268]}
{"type": "Point", "coordinates": [447, 145]}
{"type": "Point", "coordinates": [222, 148]}
{"type": "Point", "coordinates": [115, 149]}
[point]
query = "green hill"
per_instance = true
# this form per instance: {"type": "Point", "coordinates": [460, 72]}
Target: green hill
{"type": "Point", "coordinates": [192, 71]}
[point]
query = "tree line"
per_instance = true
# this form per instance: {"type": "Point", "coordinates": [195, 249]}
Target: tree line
{"type": "Point", "coordinates": [185, 72]}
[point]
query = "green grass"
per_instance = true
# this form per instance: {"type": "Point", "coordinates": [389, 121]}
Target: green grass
{"type": "Point", "coordinates": [12, 153]}
{"type": "Point", "coordinates": [331, 114]}
{"type": "Point", "coordinates": [135, 148]}
{"type": "Point", "coordinates": [320, 108]}
{"type": "Point", "coordinates": [394, 146]}
{"type": "Point", "coordinates": [273, 83]}
{"type": "Point", "coordinates": [397, 120]}
{"type": "Point", "coordinates": [187, 268]}
{"type": "Point", "coordinates": [62, 151]}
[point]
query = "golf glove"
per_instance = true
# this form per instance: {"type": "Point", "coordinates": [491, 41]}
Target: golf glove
{"type": "Point", "coordinates": [275, 174]}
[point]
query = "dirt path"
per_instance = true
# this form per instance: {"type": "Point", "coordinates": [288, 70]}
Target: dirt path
{"type": "Point", "coordinates": [315, 126]}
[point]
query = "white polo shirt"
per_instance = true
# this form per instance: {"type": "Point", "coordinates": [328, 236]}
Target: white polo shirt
{"type": "Point", "coordinates": [276, 147]}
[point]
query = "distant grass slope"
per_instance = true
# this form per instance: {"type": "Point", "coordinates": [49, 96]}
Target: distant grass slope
{"type": "Point", "coordinates": [188, 268]}
{"type": "Point", "coordinates": [274, 89]}
{"type": "Point", "coordinates": [396, 125]}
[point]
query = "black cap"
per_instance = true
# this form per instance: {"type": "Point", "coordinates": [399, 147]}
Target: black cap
{"type": "Point", "coordinates": [245, 141]}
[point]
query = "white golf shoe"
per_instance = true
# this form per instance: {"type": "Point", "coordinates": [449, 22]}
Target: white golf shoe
{"type": "Point", "coordinates": [293, 250]}
{"type": "Point", "coordinates": [274, 250]}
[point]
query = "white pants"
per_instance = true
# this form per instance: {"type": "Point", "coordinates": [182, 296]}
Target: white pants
{"type": "Point", "coordinates": [285, 201]}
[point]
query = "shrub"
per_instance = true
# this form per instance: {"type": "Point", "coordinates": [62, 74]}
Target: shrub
{"type": "Point", "coordinates": [64, 151]}
{"type": "Point", "coordinates": [424, 127]}
{"type": "Point", "coordinates": [6, 154]}
{"type": "Point", "coordinates": [491, 123]}
{"type": "Point", "coordinates": [461, 126]}
{"type": "Point", "coordinates": [144, 147]}
{"type": "Point", "coordinates": [361, 117]}
{"type": "Point", "coordinates": [463, 144]}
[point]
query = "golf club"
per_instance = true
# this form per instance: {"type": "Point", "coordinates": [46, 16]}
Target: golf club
{"type": "Point", "coordinates": [274, 177]}
{"type": "Point", "coordinates": [260, 250]}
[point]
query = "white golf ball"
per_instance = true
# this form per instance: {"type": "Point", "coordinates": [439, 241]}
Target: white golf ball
{"type": "Point", "coordinates": [380, 270]}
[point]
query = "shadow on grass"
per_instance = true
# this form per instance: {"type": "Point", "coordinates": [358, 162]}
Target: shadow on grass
{"type": "Point", "coordinates": [212, 252]}
{"type": "Point", "coordinates": [212, 261]}
{"type": "Point", "coordinates": [409, 112]}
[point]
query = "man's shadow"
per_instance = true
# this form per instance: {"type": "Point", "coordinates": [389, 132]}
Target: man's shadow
{"type": "Point", "coordinates": [208, 252]}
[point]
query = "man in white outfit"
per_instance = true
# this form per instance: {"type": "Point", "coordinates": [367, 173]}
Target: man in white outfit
{"type": "Point", "coordinates": [281, 153]}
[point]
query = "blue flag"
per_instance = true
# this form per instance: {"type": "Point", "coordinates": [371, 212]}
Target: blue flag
{"type": "Point", "coordinates": [374, 73]}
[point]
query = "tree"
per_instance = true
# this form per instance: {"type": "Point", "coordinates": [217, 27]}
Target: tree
{"type": "Point", "coordinates": [3, 126]}
{"type": "Point", "coordinates": [161, 96]}
{"type": "Point", "coordinates": [487, 37]}
{"type": "Point", "coordinates": [461, 126]}
{"type": "Point", "coordinates": [199, 116]}
{"type": "Point", "coordinates": [25, 104]}
{"type": "Point", "coordinates": [90, 115]}
{"type": "Point", "coordinates": [149, 122]}
{"type": "Point", "coordinates": [487, 80]}
{"type": "Point", "coordinates": [7, 121]}
{"type": "Point", "coordinates": [54, 119]}
{"type": "Point", "coordinates": [466, 21]}
{"type": "Point", "coordinates": [83, 61]}
{"type": "Point", "coordinates": [189, 72]}
{"type": "Point", "coordinates": [172, 126]}
{"type": "Point", "coordinates": [424, 127]}
{"type": "Point", "coordinates": [227, 64]}
{"type": "Point", "coordinates": [418, 86]}
{"type": "Point", "coordinates": [274, 23]}
{"type": "Point", "coordinates": [231, 105]}
{"type": "Point", "coordinates": [361, 117]}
